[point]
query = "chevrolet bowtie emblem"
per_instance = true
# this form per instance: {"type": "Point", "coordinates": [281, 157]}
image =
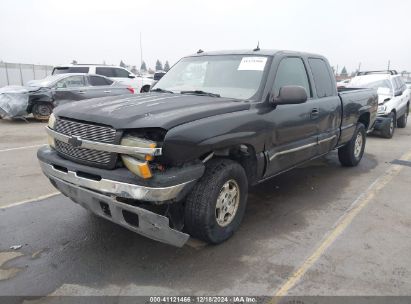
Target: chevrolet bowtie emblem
{"type": "Point", "coordinates": [75, 141]}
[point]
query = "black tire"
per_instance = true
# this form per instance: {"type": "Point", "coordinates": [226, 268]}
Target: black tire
{"type": "Point", "coordinates": [388, 131]}
{"type": "Point", "coordinates": [145, 89]}
{"type": "Point", "coordinates": [351, 154]}
{"type": "Point", "coordinates": [402, 121]}
{"type": "Point", "coordinates": [200, 207]}
{"type": "Point", "coordinates": [42, 111]}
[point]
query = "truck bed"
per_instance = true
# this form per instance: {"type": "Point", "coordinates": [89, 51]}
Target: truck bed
{"type": "Point", "coordinates": [354, 101]}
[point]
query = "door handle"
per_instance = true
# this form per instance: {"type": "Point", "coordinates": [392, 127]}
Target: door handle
{"type": "Point", "coordinates": [81, 92]}
{"type": "Point", "coordinates": [107, 91]}
{"type": "Point", "coordinates": [315, 113]}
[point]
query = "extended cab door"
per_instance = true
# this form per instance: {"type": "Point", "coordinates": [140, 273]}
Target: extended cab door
{"type": "Point", "coordinates": [327, 102]}
{"type": "Point", "coordinates": [294, 134]}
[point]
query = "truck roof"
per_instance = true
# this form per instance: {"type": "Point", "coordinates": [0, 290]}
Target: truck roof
{"type": "Point", "coordinates": [263, 52]}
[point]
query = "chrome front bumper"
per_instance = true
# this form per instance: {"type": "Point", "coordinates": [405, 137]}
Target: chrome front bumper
{"type": "Point", "coordinates": [149, 224]}
{"type": "Point", "coordinates": [115, 188]}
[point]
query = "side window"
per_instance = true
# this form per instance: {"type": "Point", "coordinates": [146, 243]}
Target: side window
{"type": "Point", "coordinates": [322, 78]}
{"type": "Point", "coordinates": [99, 81]}
{"type": "Point", "coordinates": [108, 72]}
{"type": "Point", "coordinates": [71, 82]}
{"type": "Point", "coordinates": [397, 85]}
{"type": "Point", "coordinates": [121, 73]}
{"type": "Point", "coordinates": [62, 70]}
{"type": "Point", "coordinates": [291, 71]}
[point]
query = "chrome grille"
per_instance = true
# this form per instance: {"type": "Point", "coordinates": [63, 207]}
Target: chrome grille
{"type": "Point", "coordinates": [89, 132]}
{"type": "Point", "coordinates": [101, 157]}
{"type": "Point", "coordinates": [86, 131]}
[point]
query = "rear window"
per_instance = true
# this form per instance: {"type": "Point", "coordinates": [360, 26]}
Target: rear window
{"type": "Point", "coordinates": [63, 70]}
{"type": "Point", "coordinates": [322, 78]}
{"type": "Point", "coordinates": [99, 81]}
{"type": "Point", "coordinates": [112, 72]}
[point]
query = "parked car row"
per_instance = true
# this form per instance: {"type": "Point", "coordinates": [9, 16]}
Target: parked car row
{"type": "Point", "coordinates": [178, 161]}
{"type": "Point", "coordinates": [139, 83]}
{"type": "Point", "coordinates": [40, 97]}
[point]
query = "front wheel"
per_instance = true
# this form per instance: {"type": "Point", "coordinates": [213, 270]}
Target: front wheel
{"type": "Point", "coordinates": [388, 131]}
{"type": "Point", "coordinates": [402, 121]}
{"type": "Point", "coordinates": [215, 207]}
{"type": "Point", "coordinates": [351, 154]}
{"type": "Point", "coordinates": [42, 111]}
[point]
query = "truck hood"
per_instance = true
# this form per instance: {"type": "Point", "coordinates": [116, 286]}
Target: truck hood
{"type": "Point", "coordinates": [160, 110]}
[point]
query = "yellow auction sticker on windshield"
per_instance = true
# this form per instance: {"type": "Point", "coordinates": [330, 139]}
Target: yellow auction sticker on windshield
{"type": "Point", "coordinates": [252, 64]}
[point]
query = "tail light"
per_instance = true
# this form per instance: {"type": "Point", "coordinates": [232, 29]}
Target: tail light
{"type": "Point", "coordinates": [131, 90]}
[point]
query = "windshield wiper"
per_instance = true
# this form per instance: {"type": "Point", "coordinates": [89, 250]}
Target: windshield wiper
{"type": "Point", "coordinates": [199, 92]}
{"type": "Point", "coordinates": [161, 91]}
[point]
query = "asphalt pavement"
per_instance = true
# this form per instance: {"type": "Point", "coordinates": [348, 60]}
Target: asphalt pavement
{"type": "Point", "coordinates": [320, 229]}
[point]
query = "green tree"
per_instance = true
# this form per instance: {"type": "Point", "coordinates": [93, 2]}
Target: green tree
{"type": "Point", "coordinates": [166, 66]}
{"type": "Point", "coordinates": [159, 65]}
{"type": "Point", "coordinates": [344, 72]}
{"type": "Point", "coordinates": [74, 62]}
{"type": "Point", "coordinates": [143, 66]}
{"type": "Point", "coordinates": [122, 64]}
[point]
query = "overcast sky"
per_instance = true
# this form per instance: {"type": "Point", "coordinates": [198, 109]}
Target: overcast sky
{"type": "Point", "coordinates": [347, 32]}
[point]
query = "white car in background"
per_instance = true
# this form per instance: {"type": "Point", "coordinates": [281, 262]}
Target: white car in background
{"type": "Point", "coordinates": [139, 83]}
{"type": "Point", "coordinates": [343, 83]}
{"type": "Point", "coordinates": [393, 99]}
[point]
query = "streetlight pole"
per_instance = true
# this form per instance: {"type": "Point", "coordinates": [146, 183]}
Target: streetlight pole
{"type": "Point", "coordinates": [141, 53]}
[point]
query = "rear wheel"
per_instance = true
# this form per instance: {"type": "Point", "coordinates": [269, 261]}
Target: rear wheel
{"type": "Point", "coordinates": [215, 207]}
{"type": "Point", "coordinates": [42, 111]}
{"type": "Point", "coordinates": [402, 121]}
{"type": "Point", "coordinates": [351, 154]}
{"type": "Point", "coordinates": [389, 129]}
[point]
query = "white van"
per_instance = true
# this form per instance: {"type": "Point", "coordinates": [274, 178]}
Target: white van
{"type": "Point", "coordinates": [139, 83]}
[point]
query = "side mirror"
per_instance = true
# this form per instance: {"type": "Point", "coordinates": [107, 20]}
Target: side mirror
{"type": "Point", "coordinates": [398, 93]}
{"type": "Point", "coordinates": [291, 94]}
{"type": "Point", "coordinates": [131, 76]}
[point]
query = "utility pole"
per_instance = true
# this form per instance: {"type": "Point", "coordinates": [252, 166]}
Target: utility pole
{"type": "Point", "coordinates": [359, 67]}
{"type": "Point", "coordinates": [336, 71]}
{"type": "Point", "coordinates": [388, 68]}
{"type": "Point", "coordinates": [141, 53]}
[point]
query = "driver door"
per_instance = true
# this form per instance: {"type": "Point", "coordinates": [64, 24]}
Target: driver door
{"type": "Point", "coordinates": [294, 134]}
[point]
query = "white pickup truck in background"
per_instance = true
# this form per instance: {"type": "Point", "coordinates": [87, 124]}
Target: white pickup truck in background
{"type": "Point", "coordinates": [139, 83]}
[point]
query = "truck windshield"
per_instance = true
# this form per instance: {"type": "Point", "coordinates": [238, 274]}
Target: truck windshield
{"type": "Point", "coordinates": [232, 76]}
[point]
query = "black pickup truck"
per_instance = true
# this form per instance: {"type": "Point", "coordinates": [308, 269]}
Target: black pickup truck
{"type": "Point", "coordinates": [179, 161]}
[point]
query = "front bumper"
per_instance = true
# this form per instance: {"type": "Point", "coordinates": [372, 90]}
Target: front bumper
{"type": "Point", "coordinates": [97, 189]}
{"type": "Point", "coordinates": [149, 224]}
{"type": "Point", "coordinates": [381, 123]}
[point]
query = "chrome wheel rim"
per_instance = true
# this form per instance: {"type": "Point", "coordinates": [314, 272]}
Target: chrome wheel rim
{"type": "Point", "coordinates": [358, 145]}
{"type": "Point", "coordinates": [227, 203]}
{"type": "Point", "coordinates": [43, 110]}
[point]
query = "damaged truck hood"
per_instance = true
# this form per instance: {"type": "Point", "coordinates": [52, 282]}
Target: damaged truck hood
{"type": "Point", "coordinates": [161, 110]}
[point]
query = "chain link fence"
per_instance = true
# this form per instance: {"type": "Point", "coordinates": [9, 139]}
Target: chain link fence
{"type": "Point", "coordinates": [20, 73]}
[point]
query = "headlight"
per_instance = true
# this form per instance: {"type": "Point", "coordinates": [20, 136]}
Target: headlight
{"type": "Point", "coordinates": [382, 108]}
{"type": "Point", "coordinates": [52, 121]}
{"type": "Point", "coordinates": [51, 124]}
{"type": "Point", "coordinates": [138, 164]}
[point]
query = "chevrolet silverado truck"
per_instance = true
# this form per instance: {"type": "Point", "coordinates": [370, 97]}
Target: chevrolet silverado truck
{"type": "Point", "coordinates": [178, 161]}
